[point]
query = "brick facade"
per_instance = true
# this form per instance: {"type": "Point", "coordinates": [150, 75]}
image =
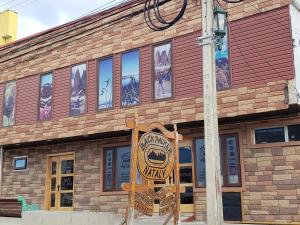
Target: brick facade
{"type": "Point", "coordinates": [261, 67]}
{"type": "Point", "coordinates": [269, 190]}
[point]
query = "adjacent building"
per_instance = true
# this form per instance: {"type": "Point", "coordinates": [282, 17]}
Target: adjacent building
{"type": "Point", "coordinates": [65, 94]}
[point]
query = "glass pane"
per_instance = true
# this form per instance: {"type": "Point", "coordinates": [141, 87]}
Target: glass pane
{"type": "Point", "coordinates": [67, 166]}
{"type": "Point", "coordinates": [185, 155]}
{"type": "Point", "coordinates": [67, 183]}
{"type": "Point", "coordinates": [269, 135]}
{"type": "Point", "coordinates": [232, 160]}
{"type": "Point", "coordinates": [78, 90]}
{"type": "Point", "coordinates": [9, 106]}
{"type": "Point", "coordinates": [52, 204]}
{"type": "Point", "coordinates": [187, 196]}
{"type": "Point", "coordinates": [53, 168]}
{"type": "Point", "coordinates": [108, 176]}
{"type": "Point", "coordinates": [45, 106]}
{"type": "Point", "coordinates": [123, 166]}
{"type": "Point", "coordinates": [163, 71]}
{"type": "Point", "coordinates": [66, 199]}
{"type": "Point", "coordinates": [53, 184]}
{"type": "Point", "coordinates": [130, 78]}
{"type": "Point", "coordinates": [105, 84]}
{"type": "Point", "coordinates": [294, 132]}
{"type": "Point", "coordinates": [200, 162]}
{"type": "Point", "coordinates": [186, 175]}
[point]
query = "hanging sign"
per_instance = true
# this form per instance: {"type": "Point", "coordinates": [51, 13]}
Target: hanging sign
{"type": "Point", "coordinates": [155, 156]}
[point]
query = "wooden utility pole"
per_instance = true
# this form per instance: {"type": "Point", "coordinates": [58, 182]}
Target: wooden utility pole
{"type": "Point", "coordinates": [212, 153]}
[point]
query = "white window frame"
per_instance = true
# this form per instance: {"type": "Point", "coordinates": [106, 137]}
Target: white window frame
{"type": "Point", "coordinates": [286, 132]}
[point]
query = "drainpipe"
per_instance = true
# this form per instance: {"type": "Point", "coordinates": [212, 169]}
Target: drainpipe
{"type": "Point", "coordinates": [1, 168]}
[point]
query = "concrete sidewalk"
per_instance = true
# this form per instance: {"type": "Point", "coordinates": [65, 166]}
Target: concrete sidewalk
{"type": "Point", "coordinates": [141, 221]}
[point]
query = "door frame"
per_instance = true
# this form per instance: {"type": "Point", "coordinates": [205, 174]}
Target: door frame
{"type": "Point", "coordinates": [186, 208]}
{"type": "Point", "coordinates": [48, 180]}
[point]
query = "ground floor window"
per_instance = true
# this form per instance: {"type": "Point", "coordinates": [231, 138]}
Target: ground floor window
{"type": "Point", "coordinates": [232, 207]}
{"type": "Point", "coordinates": [230, 161]}
{"type": "Point", "coordinates": [116, 167]}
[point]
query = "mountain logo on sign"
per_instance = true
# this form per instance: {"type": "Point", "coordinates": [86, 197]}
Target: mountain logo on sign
{"type": "Point", "coordinates": [157, 156]}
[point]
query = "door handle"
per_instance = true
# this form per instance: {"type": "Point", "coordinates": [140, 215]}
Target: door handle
{"type": "Point", "coordinates": [58, 187]}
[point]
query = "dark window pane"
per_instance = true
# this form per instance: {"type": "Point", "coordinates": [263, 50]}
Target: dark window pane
{"type": "Point", "coordinates": [20, 163]}
{"type": "Point", "coordinates": [45, 104]}
{"type": "Point", "coordinates": [294, 132]}
{"type": "Point", "coordinates": [53, 184]}
{"type": "Point", "coordinates": [232, 209]}
{"type": "Point", "coordinates": [108, 176]}
{"type": "Point", "coordinates": [67, 166]}
{"type": "Point", "coordinates": [53, 168]}
{"type": "Point", "coordinates": [67, 183]}
{"type": "Point", "coordinates": [66, 199]}
{"type": "Point", "coordinates": [185, 155]}
{"type": "Point", "coordinates": [186, 175]}
{"type": "Point", "coordinates": [122, 166]}
{"type": "Point", "coordinates": [232, 160]}
{"type": "Point", "coordinates": [187, 196]}
{"type": "Point", "coordinates": [269, 135]}
{"type": "Point", "coordinates": [52, 200]}
{"type": "Point", "coordinates": [200, 162]}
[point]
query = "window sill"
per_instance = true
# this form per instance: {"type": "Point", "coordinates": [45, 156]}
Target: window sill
{"type": "Point", "coordinates": [276, 144]}
{"type": "Point", "coordinates": [224, 189]}
{"type": "Point", "coordinates": [106, 193]}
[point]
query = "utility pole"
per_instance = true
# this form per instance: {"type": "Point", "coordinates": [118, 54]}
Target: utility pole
{"type": "Point", "coordinates": [212, 153]}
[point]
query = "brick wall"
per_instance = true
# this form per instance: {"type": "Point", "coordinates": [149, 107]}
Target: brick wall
{"type": "Point", "coordinates": [270, 191]}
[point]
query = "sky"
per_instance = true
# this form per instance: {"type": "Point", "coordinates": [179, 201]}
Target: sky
{"type": "Point", "coordinates": [37, 15]}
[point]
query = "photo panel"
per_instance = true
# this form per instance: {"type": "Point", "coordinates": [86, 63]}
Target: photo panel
{"type": "Point", "coordinates": [223, 77]}
{"type": "Point", "coordinates": [105, 84]}
{"type": "Point", "coordinates": [163, 71]}
{"type": "Point", "coordinates": [130, 78]}
{"type": "Point", "coordinates": [78, 89]}
{"type": "Point", "coordinates": [46, 91]}
{"type": "Point", "coordinates": [9, 106]}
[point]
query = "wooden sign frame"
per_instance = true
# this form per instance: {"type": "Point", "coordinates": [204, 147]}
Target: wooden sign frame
{"type": "Point", "coordinates": [165, 195]}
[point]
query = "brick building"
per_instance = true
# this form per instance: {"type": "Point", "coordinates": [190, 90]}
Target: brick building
{"type": "Point", "coordinates": [66, 92]}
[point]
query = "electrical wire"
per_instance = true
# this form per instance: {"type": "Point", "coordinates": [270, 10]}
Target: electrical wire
{"type": "Point", "coordinates": [23, 5]}
{"type": "Point", "coordinates": [160, 23]}
{"type": "Point", "coordinates": [49, 35]}
{"type": "Point", "coordinates": [7, 3]}
{"type": "Point", "coordinates": [78, 36]}
{"type": "Point", "coordinates": [19, 3]}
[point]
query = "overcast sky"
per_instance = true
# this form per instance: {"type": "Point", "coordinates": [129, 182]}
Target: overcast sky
{"type": "Point", "coordinates": [39, 15]}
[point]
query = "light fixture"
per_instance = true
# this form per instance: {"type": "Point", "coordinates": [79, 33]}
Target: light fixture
{"type": "Point", "coordinates": [220, 20]}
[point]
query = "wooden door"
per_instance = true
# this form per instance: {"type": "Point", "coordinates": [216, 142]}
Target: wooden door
{"type": "Point", "coordinates": [60, 182]}
{"type": "Point", "coordinates": [186, 178]}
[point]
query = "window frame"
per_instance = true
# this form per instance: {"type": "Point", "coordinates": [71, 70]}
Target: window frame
{"type": "Point", "coordinates": [114, 148]}
{"type": "Point", "coordinates": [286, 134]}
{"type": "Point", "coordinates": [139, 50]}
{"type": "Point", "coordinates": [224, 166]}
{"type": "Point", "coordinates": [112, 57]}
{"type": "Point", "coordinates": [86, 88]}
{"type": "Point", "coordinates": [20, 158]}
{"type": "Point", "coordinates": [170, 41]}
{"type": "Point", "coordinates": [39, 96]}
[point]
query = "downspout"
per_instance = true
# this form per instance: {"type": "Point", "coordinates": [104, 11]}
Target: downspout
{"type": "Point", "coordinates": [1, 168]}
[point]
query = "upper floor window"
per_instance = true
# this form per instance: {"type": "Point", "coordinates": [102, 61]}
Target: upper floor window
{"type": "Point", "coordinates": [223, 77]}
{"type": "Point", "coordinates": [45, 103]}
{"type": "Point", "coordinates": [229, 160]}
{"type": "Point", "coordinates": [78, 90]}
{"type": "Point", "coordinates": [9, 106]}
{"type": "Point", "coordinates": [163, 78]}
{"type": "Point", "coordinates": [130, 84]}
{"type": "Point", "coordinates": [277, 134]}
{"type": "Point", "coordinates": [105, 83]}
